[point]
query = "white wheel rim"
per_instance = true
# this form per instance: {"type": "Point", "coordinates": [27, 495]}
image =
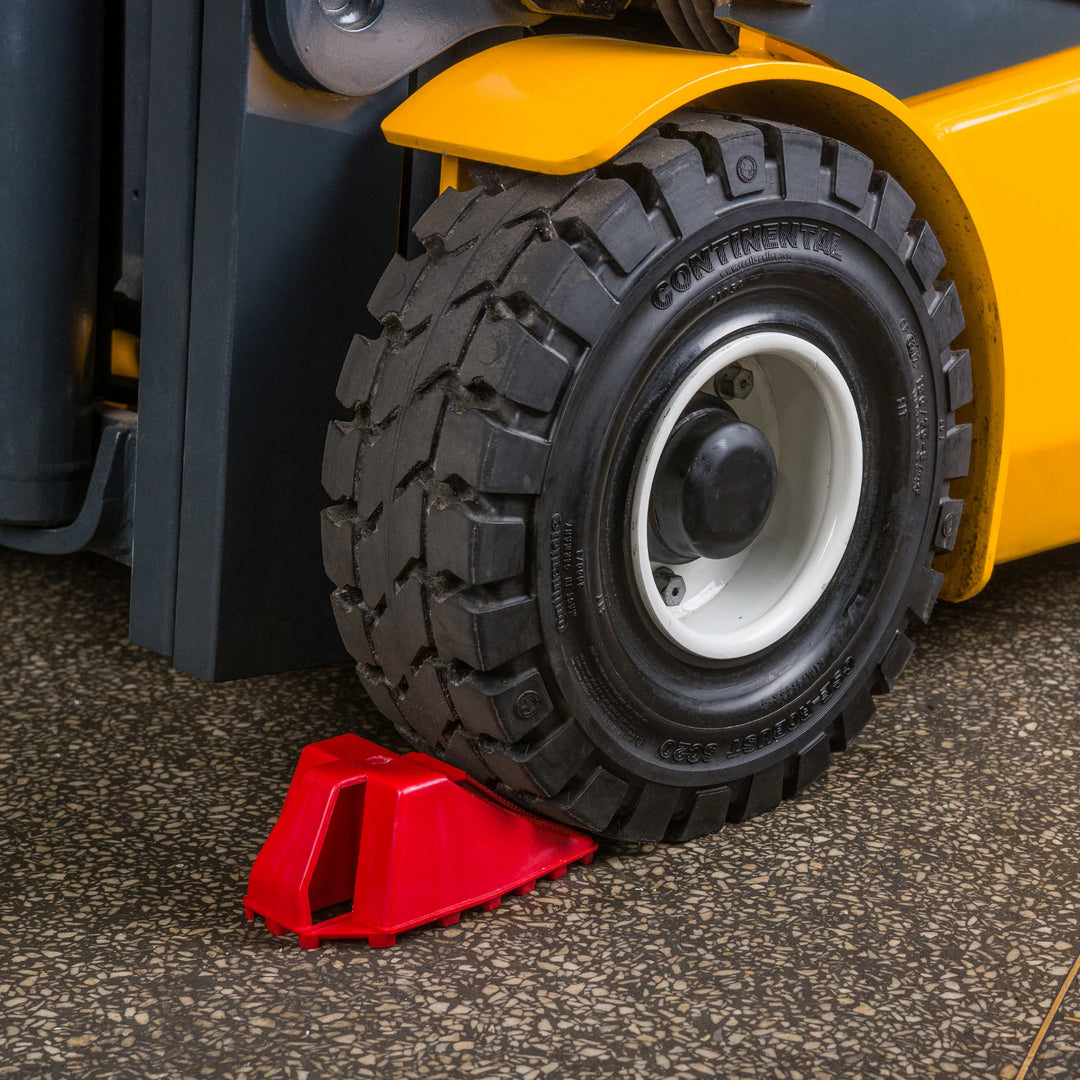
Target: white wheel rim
{"type": "Point", "coordinates": [735, 607]}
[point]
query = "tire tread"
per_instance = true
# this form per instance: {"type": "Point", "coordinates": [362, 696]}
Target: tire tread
{"type": "Point", "coordinates": [438, 469]}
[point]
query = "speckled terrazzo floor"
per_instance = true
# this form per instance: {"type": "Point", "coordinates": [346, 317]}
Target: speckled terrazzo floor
{"type": "Point", "coordinates": [912, 915]}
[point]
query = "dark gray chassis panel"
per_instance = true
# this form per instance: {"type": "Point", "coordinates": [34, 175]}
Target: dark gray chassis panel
{"type": "Point", "coordinates": [272, 211]}
{"type": "Point", "coordinates": [265, 234]}
{"type": "Point", "coordinates": [917, 45]}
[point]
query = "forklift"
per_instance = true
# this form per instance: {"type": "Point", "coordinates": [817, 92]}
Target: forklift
{"type": "Point", "coordinates": [684, 355]}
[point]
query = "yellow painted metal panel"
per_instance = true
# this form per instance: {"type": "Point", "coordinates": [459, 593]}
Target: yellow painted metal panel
{"type": "Point", "coordinates": [454, 174]}
{"type": "Point", "coordinates": [560, 104]}
{"type": "Point", "coordinates": [1016, 133]}
{"type": "Point", "coordinates": [125, 354]}
{"type": "Point", "coordinates": [563, 104]}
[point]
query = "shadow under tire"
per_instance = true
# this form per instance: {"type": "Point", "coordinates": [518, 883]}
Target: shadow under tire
{"type": "Point", "coordinates": [512, 509]}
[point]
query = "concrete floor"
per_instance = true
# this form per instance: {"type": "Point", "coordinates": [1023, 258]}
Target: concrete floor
{"type": "Point", "coordinates": [914, 914]}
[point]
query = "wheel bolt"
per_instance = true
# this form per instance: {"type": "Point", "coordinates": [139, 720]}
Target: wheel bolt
{"type": "Point", "coordinates": [672, 587]}
{"type": "Point", "coordinates": [734, 381]}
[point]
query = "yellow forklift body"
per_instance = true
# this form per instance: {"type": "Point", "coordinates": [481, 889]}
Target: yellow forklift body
{"type": "Point", "coordinates": [1014, 135]}
{"type": "Point", "coordinates": [977, 158]}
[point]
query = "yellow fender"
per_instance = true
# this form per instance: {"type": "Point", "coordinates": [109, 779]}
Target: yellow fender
{"type": "Point", "coordinates": [563, 104]}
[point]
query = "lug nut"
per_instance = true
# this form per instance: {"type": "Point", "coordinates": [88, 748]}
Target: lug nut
{"type": "Point", "coordinates": [734, 381]}
{"type": "Point", "coordinates": [672, 587]}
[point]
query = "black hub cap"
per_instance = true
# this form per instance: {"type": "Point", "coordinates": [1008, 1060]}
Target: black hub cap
{"type": "Point", "coordinates": [713, 488]}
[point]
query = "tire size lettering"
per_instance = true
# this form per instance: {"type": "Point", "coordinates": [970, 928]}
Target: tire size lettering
{"type": "Point", "coordinates": [920, 423]}
{"type": "Point", "coordinates": [567, 571]}
{"type": "Point", "coordinates": [758, 740]}
{"type": "Point", "coordinates": [610, 704]}
{"type": "Point", "coordinates": [687, 753]}
{"type": "Point", "coordinates": [916, 407]}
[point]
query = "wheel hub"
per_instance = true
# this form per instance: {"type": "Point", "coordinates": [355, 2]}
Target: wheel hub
{"type": "Point", "coordinates": [714, 486]}
{"type": "Point", "coordinates": [755, 509]}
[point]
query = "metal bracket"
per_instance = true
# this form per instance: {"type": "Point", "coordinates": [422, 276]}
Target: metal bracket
{"type": "Point", "coordinates": [358, 47]}
{"type": "Point", "coordinates": [104, 522]}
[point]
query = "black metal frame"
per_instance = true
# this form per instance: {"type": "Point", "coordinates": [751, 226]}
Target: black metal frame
{"type": "Point", "coordinates": [104, 522]}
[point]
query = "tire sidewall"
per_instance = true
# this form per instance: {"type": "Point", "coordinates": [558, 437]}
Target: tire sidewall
{"type": "Point", "coordinates": [648, 706]}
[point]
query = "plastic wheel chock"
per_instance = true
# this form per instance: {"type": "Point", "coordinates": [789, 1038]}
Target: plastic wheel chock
{"type": "Point", "coordinates": [407, 839]}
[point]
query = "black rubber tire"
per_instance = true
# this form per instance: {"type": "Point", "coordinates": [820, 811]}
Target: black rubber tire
{"type": "Point", "coordinates": [504, 400]}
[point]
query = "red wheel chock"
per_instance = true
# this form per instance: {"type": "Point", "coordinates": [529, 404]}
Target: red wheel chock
{"type": "Point", "coordinates": [407, 839]}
